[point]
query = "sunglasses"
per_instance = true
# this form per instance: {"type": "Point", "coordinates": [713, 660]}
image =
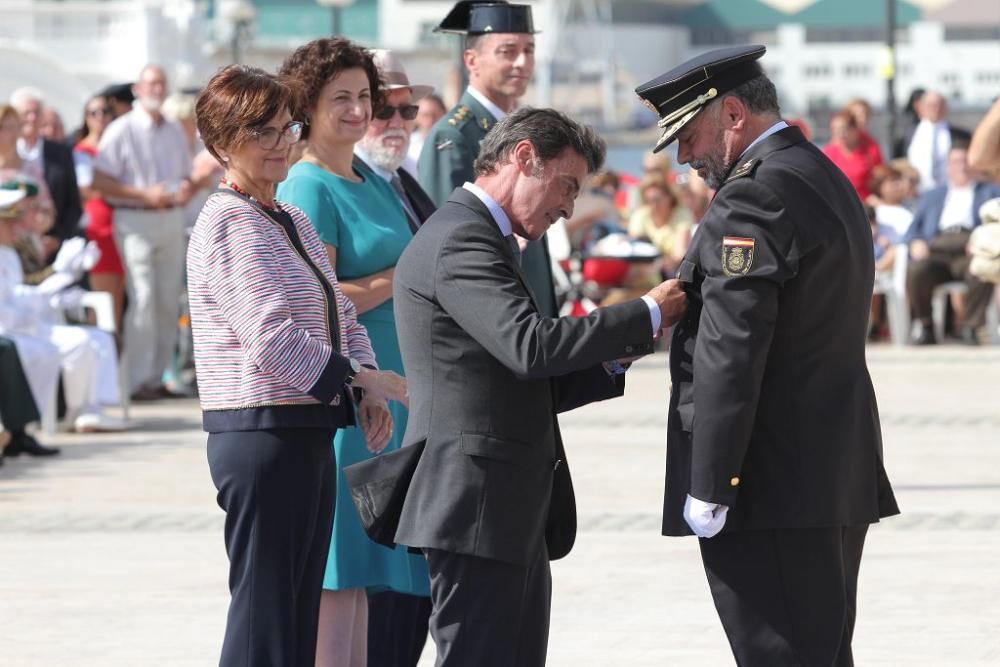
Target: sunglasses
{"type": "Point", "coordinates": [407, 111]}
{"type": "Point", "coordinates": [103, 111]}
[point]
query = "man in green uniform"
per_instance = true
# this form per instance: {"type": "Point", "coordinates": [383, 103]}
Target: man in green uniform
{"type": "Point", "coordinates": [500, 59]}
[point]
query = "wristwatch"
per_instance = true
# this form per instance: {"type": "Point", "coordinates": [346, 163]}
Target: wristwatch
{"type": "Point", "coordinates": [351, 374]}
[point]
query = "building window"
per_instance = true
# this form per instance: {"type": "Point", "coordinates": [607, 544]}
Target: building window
{"type": "Point", "coordinates": [818, 71]}
{"type": "Point", "coordinates": [857, 70]}
{"type": "Point", "coordinates": [950, 78]}
{"type": "Point", "coordinates": [988, 78]}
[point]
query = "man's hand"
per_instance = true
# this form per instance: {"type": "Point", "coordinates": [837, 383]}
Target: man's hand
{"type": "Point", "coordinates": [670, 297]}
{"type": "Point", "coordinates": [383, 384]}
{"type": "Point", "coordinates": [919, 249]}
{"type": "Point", "coordinates": [157, 196]}
{"type": "Point", "coordinates": [376, 422]}
{"type": "Point", "coordinates": [705, 519]}
{"type": "Point", "coordinates": [185, 191]}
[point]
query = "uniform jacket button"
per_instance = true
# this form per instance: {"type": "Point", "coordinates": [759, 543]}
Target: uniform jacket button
{"type": "Point", "coordinates": [735, 481]}
{"type": "Point", "coordinates": [628, 348]}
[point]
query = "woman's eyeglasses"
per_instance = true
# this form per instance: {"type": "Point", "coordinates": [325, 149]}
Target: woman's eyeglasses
{"type": "Point", "coordinates": [102, 111]}
{"type": "Point", "coordinates": [407, 111]}
{"type": "Point", "coordinates": [268, 137]}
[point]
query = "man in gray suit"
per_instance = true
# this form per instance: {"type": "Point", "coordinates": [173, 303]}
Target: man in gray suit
{"type": "Point", "coordinates": [491, 501]}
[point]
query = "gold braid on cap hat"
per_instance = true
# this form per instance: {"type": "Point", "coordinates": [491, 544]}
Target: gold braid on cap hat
{"type": "Point", "coordinates": [688, 109]}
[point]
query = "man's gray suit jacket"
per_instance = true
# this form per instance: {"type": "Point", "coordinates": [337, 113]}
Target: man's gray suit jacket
{"type": "Point", "coordinates": [487, 375]}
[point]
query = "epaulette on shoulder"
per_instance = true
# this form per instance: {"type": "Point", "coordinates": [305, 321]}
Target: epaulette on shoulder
{"type": "Point", "coordinates": [744, 169]}
{"type": "Point", "coordinates": [460, 115]}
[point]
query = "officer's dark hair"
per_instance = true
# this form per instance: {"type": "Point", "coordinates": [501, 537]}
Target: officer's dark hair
{"type": "Point", "coordinates": [758, 94]}
{"type": "Point", "coordinates": [473, 42]}
{"type": "Point", "coordinates": [549, 131]}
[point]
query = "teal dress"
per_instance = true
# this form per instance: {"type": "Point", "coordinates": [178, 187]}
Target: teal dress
{"type": "Point", "coordinates": [366, 223]}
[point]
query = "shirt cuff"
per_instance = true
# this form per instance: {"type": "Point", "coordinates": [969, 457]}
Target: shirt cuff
{"type": "Point", "coordinates": [654, 314]}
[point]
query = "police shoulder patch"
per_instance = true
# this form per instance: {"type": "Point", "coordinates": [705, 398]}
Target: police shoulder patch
{"type": "Point", "coordinates": [744, 169]}
{"type": "Point", "coordinates": [737, 255]}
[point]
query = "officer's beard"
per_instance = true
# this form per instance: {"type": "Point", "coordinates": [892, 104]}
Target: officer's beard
{"type": "Point", "coordinates": [716, 165]}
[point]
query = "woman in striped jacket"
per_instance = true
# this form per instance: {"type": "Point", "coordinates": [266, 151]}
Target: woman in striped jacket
{"type": "Point", "coordinates": [279, 354]}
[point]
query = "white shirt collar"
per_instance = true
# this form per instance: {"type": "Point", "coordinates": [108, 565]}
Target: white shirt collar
{"type": "Point", "coordinates": [497, 113]}
{"type": "Point", "coordinates": [777, 127]}
{"type": "Point", "coordinates": [379, 171]}
{"type": "Point", "coordinates": [499, 215]}
{"type": "Point", "coordinates": [33, 154]}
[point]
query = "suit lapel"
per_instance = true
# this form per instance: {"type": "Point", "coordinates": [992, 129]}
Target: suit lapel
{"type": "Point", "coordinates": [467, 199]}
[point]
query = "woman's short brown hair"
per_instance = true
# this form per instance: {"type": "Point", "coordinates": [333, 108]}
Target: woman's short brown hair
{"type": "Point", "coordinates": [880, 174]}
{"type": "Point", "coordinates": [238, 100]}
{"type": "Point", "coordinates": [8, 110]}
{"type": "Point", "coordinates": [315, 64]}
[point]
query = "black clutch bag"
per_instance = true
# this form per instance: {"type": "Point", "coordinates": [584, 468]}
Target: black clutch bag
{"type": "Point", "coordinates": [378, 489]}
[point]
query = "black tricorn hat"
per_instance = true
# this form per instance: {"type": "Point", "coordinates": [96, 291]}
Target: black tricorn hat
{"type": "Point", "coordinates": [119, 91]}
{"type": "Point", "coordinates": [476, 17]}
{"type": "Point", "coordinates": [681, 93]}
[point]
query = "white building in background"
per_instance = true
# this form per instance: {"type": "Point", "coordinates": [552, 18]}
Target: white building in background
{"type": "Point", "coordinates": [591, 53]}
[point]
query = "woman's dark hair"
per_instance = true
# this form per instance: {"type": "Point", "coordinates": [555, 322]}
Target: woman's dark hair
{"type": "Point", "coordinates": [83, 130]}
{"type": "Point", "coordinates": [315, 64]}
{"type": "Point", "coordinates": [238, 100]}
{"type": "Point", "coordinates": [549, 131]}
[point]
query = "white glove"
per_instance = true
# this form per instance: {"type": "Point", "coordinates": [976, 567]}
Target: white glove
{"type": "Point", "coordinates": [57, 282]}
{"type": "Point", "coordinates": [69, 298]}
{"type": "Point", "coordinates": [705, 519]}
{"type": "Point", "coordinates": [90, 256]}
{"type": "Point", "coordinates": [68, 258]}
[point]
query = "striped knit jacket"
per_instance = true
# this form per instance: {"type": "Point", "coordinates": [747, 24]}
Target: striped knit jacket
{"type": "Point", "coordinates": [264, 353]}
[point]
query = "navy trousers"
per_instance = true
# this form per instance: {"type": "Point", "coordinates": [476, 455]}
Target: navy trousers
{"type": "Point", "coordinates": [277, 488]}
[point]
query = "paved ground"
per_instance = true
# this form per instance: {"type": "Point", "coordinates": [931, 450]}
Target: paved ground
{"type": "Point", "coordinates": [112, 554]}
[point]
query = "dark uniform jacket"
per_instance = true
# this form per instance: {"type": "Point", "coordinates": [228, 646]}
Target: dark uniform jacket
{"type": "Point", "coordinates": [487, 375]}
{"type": "Point", "coordinates": [446, 162]}
{"type": "Point", "coordinates": [60, 177]}
{"type": "Point", "coordinates": [772, 410]}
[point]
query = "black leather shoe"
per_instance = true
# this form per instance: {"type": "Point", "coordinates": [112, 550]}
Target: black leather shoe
{"type": "Point", "coordinates": [968, 336]}
{"type": "Point", "coordinates": [22, 443]}
{"type": "Point", "coordinates": [924, 335]}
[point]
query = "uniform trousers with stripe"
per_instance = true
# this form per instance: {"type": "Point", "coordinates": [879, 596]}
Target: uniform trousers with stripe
{"type": "Point", "coordinates": [787, 597]}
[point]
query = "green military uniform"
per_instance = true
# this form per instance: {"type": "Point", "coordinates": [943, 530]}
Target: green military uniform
{"type": "Point", "coordinates": [446, 162]}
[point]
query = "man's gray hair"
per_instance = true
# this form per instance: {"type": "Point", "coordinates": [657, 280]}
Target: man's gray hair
{"type": "Point", "coordinates": [25, 94]}
{"type": "Point", "coordinates": [758, 94]}
{"type": "Point", "coordinates": [549, 131]}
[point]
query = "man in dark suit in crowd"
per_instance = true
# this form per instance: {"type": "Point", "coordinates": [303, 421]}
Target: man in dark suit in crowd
{"type": "Point", "coordinates": [500, 58]}
{"type": "Point", "coordinates": [938, 236]}
{"type": "Point", "coordinates": [774, 450]}
{"type": "Point", "coordinates": [51, 161]}
{"type": "Point", "coordinates": [384, 147]}
{"type": "Point", "coordinates": [491, 501]}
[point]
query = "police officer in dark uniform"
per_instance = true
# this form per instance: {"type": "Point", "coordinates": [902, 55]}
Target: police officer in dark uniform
{"type": "Point", "coordinates": [500, 58]}
{"type": "Point", "coordinates": [774, 454]}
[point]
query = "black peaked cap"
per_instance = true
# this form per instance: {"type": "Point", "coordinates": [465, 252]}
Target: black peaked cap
{"type": "Point", "coordinates": [678, 95]}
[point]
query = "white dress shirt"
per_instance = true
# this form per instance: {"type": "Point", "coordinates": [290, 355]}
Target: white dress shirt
{"type": "Point", "coordinates": [957, 211]}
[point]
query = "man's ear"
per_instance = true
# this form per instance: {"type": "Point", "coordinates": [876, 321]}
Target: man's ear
{"type": "Point", "coordinates": [524, 157]}
{"type": "Point", "coordinates": [734, 113]}
{"type": "Point", "coordinates": [469, 58]}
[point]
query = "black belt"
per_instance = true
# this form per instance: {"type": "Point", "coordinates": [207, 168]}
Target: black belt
{"type": "Point", "coordinates": [956, 230]}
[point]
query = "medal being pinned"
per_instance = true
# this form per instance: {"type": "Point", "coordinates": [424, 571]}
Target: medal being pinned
{"type": "Point", "coordinates": [737, 255]}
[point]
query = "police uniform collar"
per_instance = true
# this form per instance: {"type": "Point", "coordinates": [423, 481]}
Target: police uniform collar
{"type": "Point", "coordinates": [478, 17]}
{"type": "Point", "coordinates": [679, 94]}
{"type": "Point", "coordinates": [758, 150]}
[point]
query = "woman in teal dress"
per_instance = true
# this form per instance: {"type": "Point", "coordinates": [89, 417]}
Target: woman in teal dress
{"type": "Point", "coordinates": [360, 219]}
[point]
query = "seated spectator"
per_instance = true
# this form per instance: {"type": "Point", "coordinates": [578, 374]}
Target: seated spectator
{"type": "Point", "coordinates": [888, 187]}
{"type": "Point", "coordinates": [884, 240]}
{"type": "Point", "coordinates": [108, 275]}
{"type": "Point", "coordinates": [595, 214]}
{"type": "Point", "coordinates": [911, 180]}
{"type": "Point", "coordinates": [87, 357]}
{"type": "Point", "coordinates": [938, 237]}
{"type": "Point", "coordinates": [932, 137]}
{"type": "Point", "coordinates": [51, 162]}
{"type": "Point", "coordinates": [662, 221]}
{"type": "Point", "coordinates": [853, 152]}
